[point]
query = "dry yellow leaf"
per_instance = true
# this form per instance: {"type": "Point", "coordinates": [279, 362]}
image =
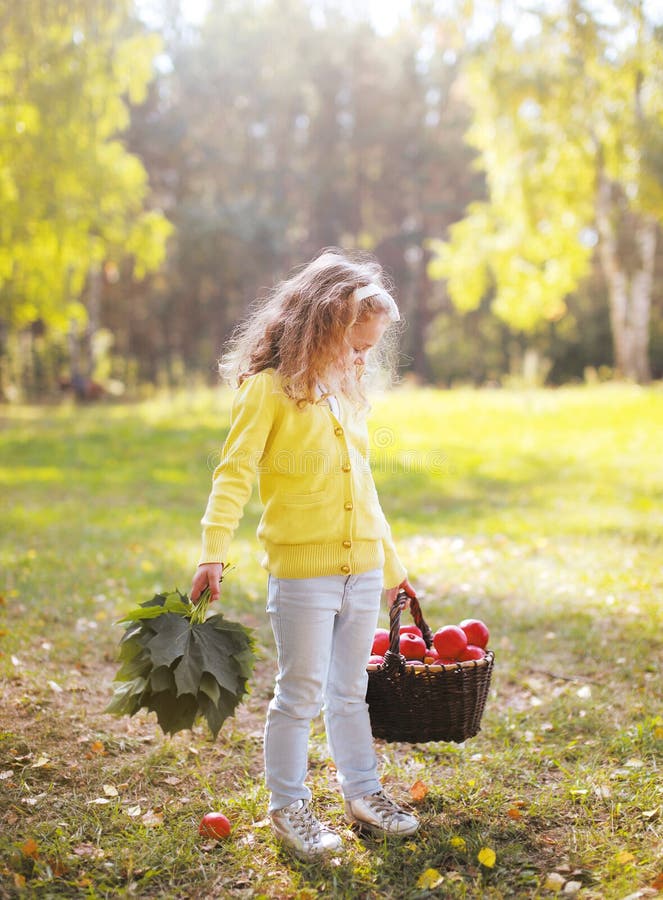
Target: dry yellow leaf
{"type": "Point", "coordinates": [458, 843]}
{"type": "Point", "coordinates": [487, 857]}
{"type": "Point", "coordinates": [418, 791]}
{"type": "Point", "coordinates": [429, 879]}
{"type": "Point", "coordinates": [623, 857]}
{"type": "Point", "coordinates": [514, 813]}
{"type": "Point", "coordinates": [554, 882]}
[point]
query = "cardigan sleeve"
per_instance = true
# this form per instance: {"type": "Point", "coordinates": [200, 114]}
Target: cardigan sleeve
{"type": "Point", "coordinates": [251, 421]}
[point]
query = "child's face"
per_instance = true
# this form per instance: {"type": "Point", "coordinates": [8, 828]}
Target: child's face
{"type": "Point", "coordinates": [363, 336]}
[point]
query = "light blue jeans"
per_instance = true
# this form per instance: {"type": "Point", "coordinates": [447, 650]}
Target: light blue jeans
{"type": "Point", "coordinates": [323, 628]}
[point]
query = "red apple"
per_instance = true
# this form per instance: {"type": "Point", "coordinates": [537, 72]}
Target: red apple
{"type": "Point", "coordinates": [432, 656]}
{"type": "Point", "coordinates": [375, 660]}
{"type": "Point", "coordinates": [476, 631]}
{"type": "Point", "coordinates": [446, 661]}
{"type": "Point", "coordinates": [214, 825]}
{"type": "Point", "coordinates": [472, 652]}
{"type": "Point", "coordinates": [411, 629]}
{"type": "Point", "coordinates": [412, 646]}
{"type": "Point", "coordinates": [450, 641]}
{"type": "Point", "coordinates": [380, 642]}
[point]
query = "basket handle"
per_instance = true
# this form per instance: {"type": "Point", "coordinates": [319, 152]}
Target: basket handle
{"type": "Point", "coordinates": [397, 607]}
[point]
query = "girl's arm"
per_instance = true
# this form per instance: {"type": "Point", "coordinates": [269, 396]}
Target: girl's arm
{"type": "Point", "coordinates": [251, 420]}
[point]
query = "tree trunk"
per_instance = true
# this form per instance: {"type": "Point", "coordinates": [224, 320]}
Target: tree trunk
{"type": "Point", "coordinates": [629, 292]}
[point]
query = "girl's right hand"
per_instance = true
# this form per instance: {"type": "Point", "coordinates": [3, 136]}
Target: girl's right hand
{"type": "Point", "coordinates": [207, 574]}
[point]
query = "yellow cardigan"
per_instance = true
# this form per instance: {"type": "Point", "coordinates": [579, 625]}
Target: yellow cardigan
{"type": "Point", "coordinates": [321, 512]}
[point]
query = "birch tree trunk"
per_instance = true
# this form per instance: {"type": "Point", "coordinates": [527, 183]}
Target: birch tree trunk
{"type": "Point", "coordinates": [629, 291]}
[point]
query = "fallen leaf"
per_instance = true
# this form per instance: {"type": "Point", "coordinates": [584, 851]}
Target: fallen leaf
{"type": "Point", "coordinates": [40, 763]}
{"type": "Point", "coordinates": [623, 857]}
{"type": "Point", "coordinates": [90, 851]}
{"type": "Point", "coordinates": [110, 790]}
{"type": "Point", "coordinates": [458, 843]}
{"type": "Point", "coordinates": [572, 887]}
{"type": "Point", "coordinates": [152, 818]}
{"type": "Point", "coordinates": [19, 880]}
{"type": "Point", "coordinates": [514, 813]}
{"type": "Point", "coordinates": [98, 801]}
{"type": "Point", "coordinates": [97, 747]}
{"type": "Point", "coordinates": [554, 882]}
{"type": "Point", "coordinates": [429, 879]}
{"type": "Point", "coordinates": [487, 857]}
{"type": "Point", "coordinates": [54, 686]}
{"type": "Point", "coordinates": [30, 848]}
{"type": "Point", "coordinates": [418, 791]}
{"type": "Point", "coordinates": [7, 773]}
{"type": "Point", "coordinates": [172, 779]}
{"type": "Point", "coordinates": [657, 883]}
{"type": "Point", "coordinates": [134, 811]}
{"type": "Point", "coordinates": [658, 732]}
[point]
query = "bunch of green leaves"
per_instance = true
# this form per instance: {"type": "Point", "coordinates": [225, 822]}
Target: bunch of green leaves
{"type": "Point", "coordinates": [182, 665]}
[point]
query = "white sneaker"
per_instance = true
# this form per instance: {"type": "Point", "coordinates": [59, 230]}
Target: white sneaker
{"type": "Point", "coordinates": [379, 814]}
{"type": "Point", "coordinates": [296, 826]}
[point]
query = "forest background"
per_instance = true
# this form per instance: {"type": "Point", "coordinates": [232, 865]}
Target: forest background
{"type": "Point", "coordinates": [163, 164]}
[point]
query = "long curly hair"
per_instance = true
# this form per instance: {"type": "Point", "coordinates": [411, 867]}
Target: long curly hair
{"type": "Point", "coordinates": [302, 329]}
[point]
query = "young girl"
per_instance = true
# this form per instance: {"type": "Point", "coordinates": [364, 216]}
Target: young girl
{"type": "Point", "coordinates": [298, 424]}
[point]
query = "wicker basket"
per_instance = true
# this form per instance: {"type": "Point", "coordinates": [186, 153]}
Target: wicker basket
{"type": "Point", "coordinates": [416, 704]}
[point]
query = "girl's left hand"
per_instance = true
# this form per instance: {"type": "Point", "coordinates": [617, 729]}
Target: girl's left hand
{"type": "Point", "coordinates": [392, 593]}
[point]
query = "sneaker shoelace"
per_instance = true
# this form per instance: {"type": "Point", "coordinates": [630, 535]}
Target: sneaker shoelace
{"type": "Point", "coordinates": [304, 823]}
{"type": "Point", "coordinates": [384, 806]}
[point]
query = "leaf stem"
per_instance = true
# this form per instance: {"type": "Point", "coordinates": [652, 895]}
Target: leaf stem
{"type": "Point", "coordinates": [199, 609]}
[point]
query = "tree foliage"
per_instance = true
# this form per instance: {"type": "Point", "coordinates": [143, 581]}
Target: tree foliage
{"type": "Point", "coordinates": [569, 115]}
{"type": "Point", "coordinates": [73, 198]}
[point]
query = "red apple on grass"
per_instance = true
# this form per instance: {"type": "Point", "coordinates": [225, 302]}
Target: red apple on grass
{"type": "Point", "coordinates": [476, 631]}
{"type": "Point", "coordinates": [214, 825]}
{"type": "Point", "coordinates": [412, 646]}
{"type": "Point", "coordinates": [450, 641]}
{"type": "Point", "coordinates": [380, 642]}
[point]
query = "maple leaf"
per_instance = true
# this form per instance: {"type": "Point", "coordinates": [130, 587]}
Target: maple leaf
{"type": "Point", "coordinates": [181, 665]}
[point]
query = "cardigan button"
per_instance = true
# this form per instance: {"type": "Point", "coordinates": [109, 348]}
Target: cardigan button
{"type": "Point", "coordinates": [348, 506]}
{"type": "Point", "coordinates": [345, 569]}
{"type": "Point", "coordinates": [347, 467]}
{"type": "Point", "coordinates": [347, 544]}
{"type": "Point", "coordinates": [338, 431]}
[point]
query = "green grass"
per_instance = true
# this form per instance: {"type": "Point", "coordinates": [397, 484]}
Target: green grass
{"type": "Point", "coordinates": [538, 511]}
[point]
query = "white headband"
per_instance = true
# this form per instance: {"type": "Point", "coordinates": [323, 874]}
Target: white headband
{"type": "Point", "coordinates": [374, 290]}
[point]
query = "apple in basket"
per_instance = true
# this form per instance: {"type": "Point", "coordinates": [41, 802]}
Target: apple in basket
{"type": "Point", "coordinates": [450, 641]}
{"type": "Point", "coordinates": [476, 631]}
{"type": "Point", "coordinates": [375, 660]}
{"type": "Point", "coordinates": [472, 652]}
{"type": "Point", "coordinates": [380, 642]}
{"type": "Point", "coordinates": [410, 629]}
{"type": "Point", "coordinates": [412, 646]}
